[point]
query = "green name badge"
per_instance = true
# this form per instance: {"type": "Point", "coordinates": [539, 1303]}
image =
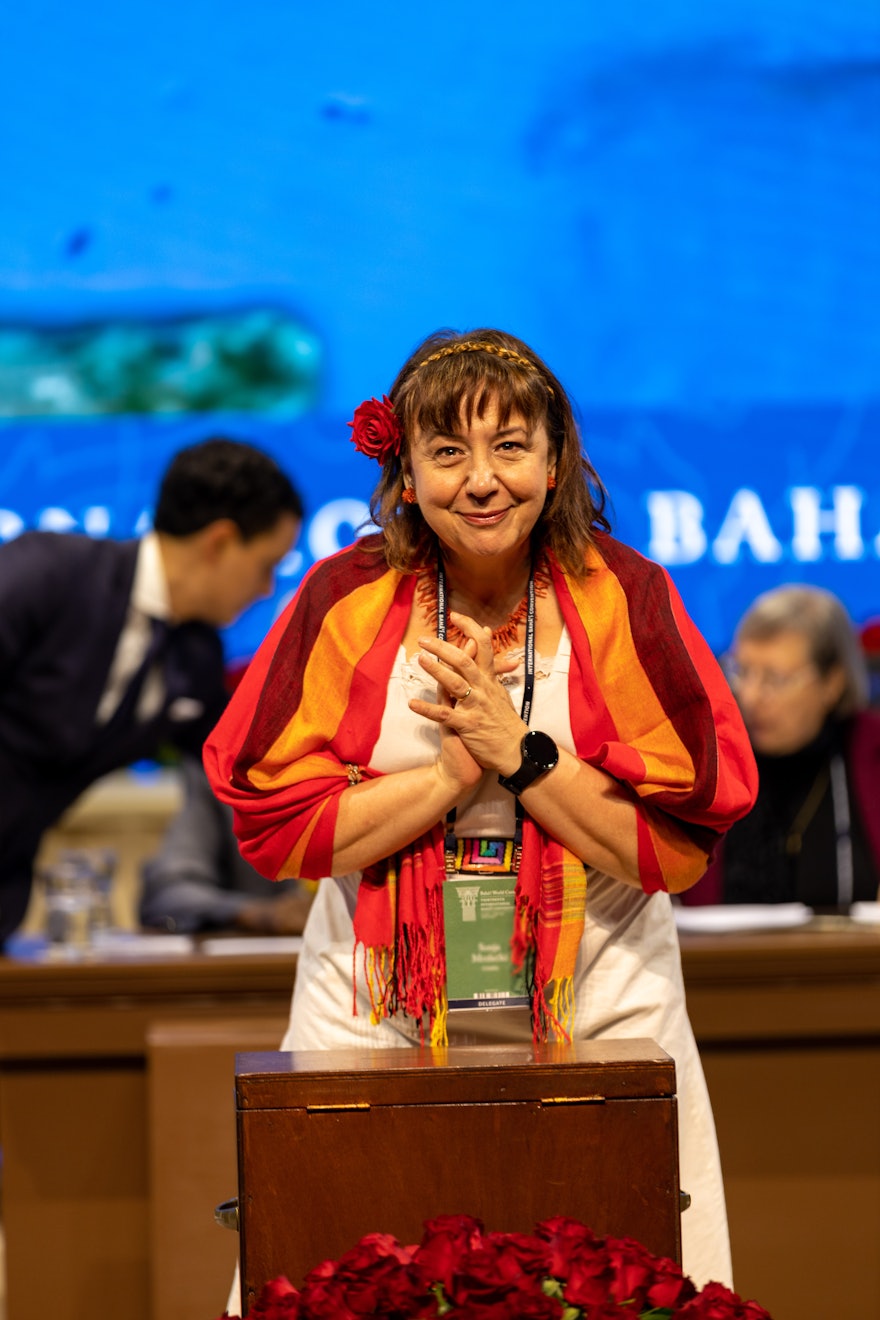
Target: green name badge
{"type": "Point", "coordinates": [478, 911]}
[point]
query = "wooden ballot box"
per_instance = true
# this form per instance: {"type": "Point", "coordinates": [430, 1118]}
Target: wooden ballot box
{"type": "Point", "coordinates": [336, 1144]}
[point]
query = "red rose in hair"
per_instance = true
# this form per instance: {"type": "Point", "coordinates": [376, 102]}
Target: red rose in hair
{"type": "Point", "coordinates": [870, 637]}
{"type": "Point", "coordinates": [375, 430]}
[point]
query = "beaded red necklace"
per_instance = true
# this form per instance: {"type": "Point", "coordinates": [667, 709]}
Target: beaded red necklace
{"type": "Point", "coordinates": [504, 637]}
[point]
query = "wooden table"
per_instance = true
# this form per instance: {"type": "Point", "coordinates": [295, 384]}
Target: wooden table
{"type": "Point", "coordinates": [117, 1120]}
{"type": "Point", "coordinates": [788, 1026]}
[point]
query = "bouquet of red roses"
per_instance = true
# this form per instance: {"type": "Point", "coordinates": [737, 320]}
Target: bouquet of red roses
{"type": "Point", "coordinates": [561, 1272]}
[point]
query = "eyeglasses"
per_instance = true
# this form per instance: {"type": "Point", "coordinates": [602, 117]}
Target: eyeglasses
{"type": "Point", "coordinates": [773, 682]}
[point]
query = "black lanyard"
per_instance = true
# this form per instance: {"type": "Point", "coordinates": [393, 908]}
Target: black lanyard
{"type": "Point", "coordinates": [525, 709]}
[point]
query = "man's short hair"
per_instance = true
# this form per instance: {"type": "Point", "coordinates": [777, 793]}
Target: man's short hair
{"type": "Point", "coordinates": [222, 478]}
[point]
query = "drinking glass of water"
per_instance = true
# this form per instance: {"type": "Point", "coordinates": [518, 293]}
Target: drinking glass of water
{"type": "Point", "coordinates": [68, 891]}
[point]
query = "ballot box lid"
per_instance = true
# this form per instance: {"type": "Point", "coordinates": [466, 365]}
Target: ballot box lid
{"type": "Point", "coordinates": [600, 1070]}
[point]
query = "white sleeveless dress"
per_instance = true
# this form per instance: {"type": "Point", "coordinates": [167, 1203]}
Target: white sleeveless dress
{"type": "Point", "coordinates": [628, 979]}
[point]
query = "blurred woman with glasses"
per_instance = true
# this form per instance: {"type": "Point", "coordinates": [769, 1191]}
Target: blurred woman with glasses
{"type": "Point", "coordinates": [813, 836]}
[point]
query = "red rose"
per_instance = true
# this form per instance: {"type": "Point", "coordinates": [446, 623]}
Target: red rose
{"type": "Point", "coordinates": [567, 1239]}
{"type": "Point", "coordinates": [445, 1241]}
{"type": "Point", "coordinates": [589, 1279]}
{"type": "Point", "coordinates": [323, 1294]}
{"type": "Point", "coordinates": [608, 1311]}
{"type": "Point", "coordinates": [278, 1300]}
{"type": "Point", "coordinates": [461, 1270]}
{"type": "Point", "coordinates": [715, 1302]}
{"type": "Point", "coordinates": [633, 1269]}
{"type": "Point", "coordinates": [537, 1306]}
{"type": "Point", "coordinates": [515, 1306]}
{"type": "Point", "coordinates": [485, 1274]}
{"type": "Point", "coordinates": [387, 1287]}
{"type": "Point", "coordinates": [324, 1299]}
{"type": "Point", "coordinates": [579, 1260]}
{"type": "Point", "coordinates": [375, 430]}
{"type": "Point", "coordinates": [532, 1255]}
{"type": "Point", "coordinates": [489, 1284]}
{"type": "Point", "coordinates": [372, 1248]}
{"type": "Point", "coordinates": [496, 1276]}
{"type": "Point", "coordinates": [669, 1287]}
{"type": "Point", "coordinates": [375, 1277]}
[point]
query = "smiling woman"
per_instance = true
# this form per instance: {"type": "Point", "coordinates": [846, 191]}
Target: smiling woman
{"type": "Point", "coordinates": [482, 489]}
{"type": "Point", "coordinates": [497, 730]}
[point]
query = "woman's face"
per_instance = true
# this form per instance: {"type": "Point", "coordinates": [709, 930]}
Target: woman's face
{"type": "Point", "coordinates": [783, 697]}
{"type": "Point", "coordinates": [482, 489]}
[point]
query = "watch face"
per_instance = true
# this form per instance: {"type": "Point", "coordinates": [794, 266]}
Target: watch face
{"type": "Point", "coordinates": [539, 754]}
{"type": "Point", "coordinates": [540, 750]}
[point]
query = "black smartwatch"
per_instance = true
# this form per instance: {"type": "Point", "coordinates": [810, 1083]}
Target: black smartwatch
{"type": "Point", "coordinates": [539, 754]}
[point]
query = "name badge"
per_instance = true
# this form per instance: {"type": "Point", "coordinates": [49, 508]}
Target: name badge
{"type": "Point", "coordinates": [479, 911]}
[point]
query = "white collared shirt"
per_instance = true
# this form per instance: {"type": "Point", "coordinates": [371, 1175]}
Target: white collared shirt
{"type": "Point", "coordinates": [149, 600]}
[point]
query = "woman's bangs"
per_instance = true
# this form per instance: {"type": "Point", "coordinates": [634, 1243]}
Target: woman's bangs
{"type": "Point", "coordinates": [470, 391]}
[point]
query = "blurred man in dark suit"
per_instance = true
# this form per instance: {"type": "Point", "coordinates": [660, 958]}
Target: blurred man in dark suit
{"type": "Point", "coordinates": [109, 650]}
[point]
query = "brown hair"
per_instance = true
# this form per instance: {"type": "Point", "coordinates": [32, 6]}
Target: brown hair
{"type": "Point", "coordinates": [819, 617]}
{"type": "Point", "coordinates": [452, 374]}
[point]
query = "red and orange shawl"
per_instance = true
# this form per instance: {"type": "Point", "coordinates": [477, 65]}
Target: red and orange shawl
{"type": "Point", "coordinates": [648, 704]}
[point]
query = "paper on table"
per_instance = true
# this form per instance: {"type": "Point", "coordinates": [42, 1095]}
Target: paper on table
{"type": "Point", "coordinates": [238, 944]}
{"type": "Point", "coordinates": [130, 944]}
{"type": "Point", "coordinates": [712, 920]}
{"type": "Point", "coordinates": [867, 914]}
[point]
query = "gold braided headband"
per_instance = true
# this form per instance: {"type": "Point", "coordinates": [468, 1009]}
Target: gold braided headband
{"type": "Point", "coordinates": [480, 346]}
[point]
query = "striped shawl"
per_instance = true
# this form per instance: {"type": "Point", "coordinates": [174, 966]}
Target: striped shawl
{"type": "Point", "coordinates": [648, 705]}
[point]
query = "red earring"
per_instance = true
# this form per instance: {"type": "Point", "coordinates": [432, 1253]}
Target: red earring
{"type": "Point", "coordinates": [551, 482]}
{"type": "Point", "coordinates": [409, 495]}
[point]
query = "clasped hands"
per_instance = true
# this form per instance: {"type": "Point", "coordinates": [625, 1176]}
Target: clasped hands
{"type": "Point", "coordinates": [479, 728]}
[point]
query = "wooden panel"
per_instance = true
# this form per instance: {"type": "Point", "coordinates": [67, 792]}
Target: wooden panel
{"type": "Point", "coordinates": [193, 1162]}
{"type": "Point", "coordinates": [104, 1009]}
{"type": "Point", "coordinates": [799, 1131]}
{"type": "Point", "coordinates": [75, 1193]}
{"type": "Point", "coordinates": [73, 1065]}
{"type": "Point", "coordinates": [610, 1069]}
{"type": "Point", "coordinates": [829, 949]}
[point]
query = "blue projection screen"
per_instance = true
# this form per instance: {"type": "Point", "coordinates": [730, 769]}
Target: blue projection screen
{"type": "Point", "coordinates": [217, 221]}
